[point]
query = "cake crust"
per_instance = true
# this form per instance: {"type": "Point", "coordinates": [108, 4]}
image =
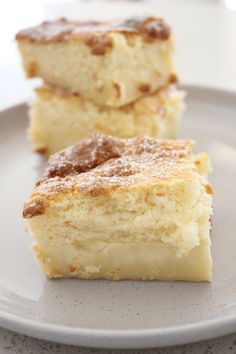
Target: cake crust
{"type": "Point", "coordinates": [101, 164]}
{"type": "Point", "coordinates": [116, 157]}
{"type": "Point", "coordinates": [94, 33]}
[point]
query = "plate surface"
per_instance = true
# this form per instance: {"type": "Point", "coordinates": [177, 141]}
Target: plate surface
{"type": "Point", "coordinates": [122, 314]}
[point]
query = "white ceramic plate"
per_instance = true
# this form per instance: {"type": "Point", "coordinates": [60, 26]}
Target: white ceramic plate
{"type": "Point", "coordinates": [122, 314]}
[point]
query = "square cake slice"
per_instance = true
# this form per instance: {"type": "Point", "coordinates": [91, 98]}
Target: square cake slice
{"type": "Point", "coordinates": [123, 209]}
{"type": "Point", "coordinates": [59, 119]}
{"type": "Point", "coordinates": [111, 64]}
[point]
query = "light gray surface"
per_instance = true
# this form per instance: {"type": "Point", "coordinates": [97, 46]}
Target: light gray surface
{"type": "Point", "coordinates": [12, 343]}
{"type": "Point", "coordinates": [120, 314]}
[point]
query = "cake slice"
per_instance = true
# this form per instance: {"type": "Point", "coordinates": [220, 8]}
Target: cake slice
{"type": "Point", "coordinates": [59, 119]}
{"type": "Point", "coordinates": [111, 64]}
{"type": "Point", "coordinates": [123, 209]}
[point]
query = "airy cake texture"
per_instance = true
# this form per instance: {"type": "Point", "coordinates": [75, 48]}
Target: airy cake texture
{"type": "Point", "coordinates": [59, 119]}
{"type": "Point", "coordinates": [111, 64]}
{"type": "Point", "coordinates": [123, 209]}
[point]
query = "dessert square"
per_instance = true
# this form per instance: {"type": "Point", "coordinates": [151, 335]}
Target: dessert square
{"type": "Point", "coordinates": [112, 63]}
{"type": "Point", "coordinates": [59, 119]}
{"type": "Point", "coordinates": [123, 209]}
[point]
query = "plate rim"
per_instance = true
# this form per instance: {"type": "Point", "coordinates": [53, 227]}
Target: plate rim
{"type": "Point", "coordinates": [125, 338]}
{"type": "Point", "coordinates": [121, 339]}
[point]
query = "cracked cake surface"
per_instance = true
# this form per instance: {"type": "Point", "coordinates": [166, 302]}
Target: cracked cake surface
{"type": "Point", "coordinates": [99, 164]}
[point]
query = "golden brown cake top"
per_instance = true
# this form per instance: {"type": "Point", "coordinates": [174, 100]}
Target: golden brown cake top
{"type": "Point", "coordinates": [100, 164]}
{"type": "Point", "coordinates": [115, 156]}
{"type": "Point", "coordinates": [62, 30]}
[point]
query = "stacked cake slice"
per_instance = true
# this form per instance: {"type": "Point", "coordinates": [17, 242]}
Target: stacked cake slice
{"type": "Point", "coordinates": [113, 78]}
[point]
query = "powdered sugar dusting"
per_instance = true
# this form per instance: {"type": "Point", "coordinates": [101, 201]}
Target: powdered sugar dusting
{"type": "Point", "coordinates": [99, 163]}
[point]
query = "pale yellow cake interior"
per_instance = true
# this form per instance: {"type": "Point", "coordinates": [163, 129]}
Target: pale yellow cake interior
{"type": "Point", "coordinates": [58, 119]}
